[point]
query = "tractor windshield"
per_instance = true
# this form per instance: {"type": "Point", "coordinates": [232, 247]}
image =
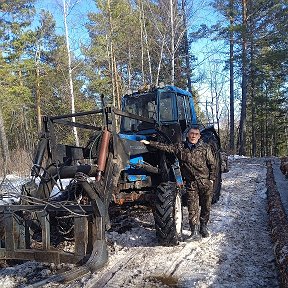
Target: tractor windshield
{"type": "Point", "coordinates": [142, 105]}
{"type": "Point", "coordinates": [167, 107]}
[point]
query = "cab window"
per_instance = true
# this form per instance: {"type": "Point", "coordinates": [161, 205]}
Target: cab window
{"type": "Point", "coordinates": [188, 110]}
{"type": "Point", "coordinates": [167, 107]}
{"type": "Point", "coordinates": [181, 112]}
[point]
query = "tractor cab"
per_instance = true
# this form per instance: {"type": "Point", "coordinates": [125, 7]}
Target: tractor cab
{"type": "Point", "coordinates": [170, 108]}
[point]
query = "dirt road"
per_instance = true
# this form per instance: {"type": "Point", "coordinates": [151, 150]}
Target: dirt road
{"type": "Point", "coordinates": [239, 252]}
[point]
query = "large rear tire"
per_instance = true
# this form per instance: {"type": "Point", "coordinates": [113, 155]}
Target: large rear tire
{"type": "Point", "coordinates": [210, 136]}
{"type": "Point", "coordinates": [168, 214]}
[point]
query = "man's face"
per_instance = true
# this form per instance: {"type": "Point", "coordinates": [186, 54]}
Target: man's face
{"type": "Point", "coordinates": [193, 135]}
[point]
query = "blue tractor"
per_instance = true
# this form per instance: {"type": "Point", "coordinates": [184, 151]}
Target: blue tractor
{"type": "Point", "coordinates": [112, 168]}
{"type": "Point", "coordinates": [164, 115]}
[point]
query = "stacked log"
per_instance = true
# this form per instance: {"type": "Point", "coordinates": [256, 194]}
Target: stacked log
{"type": "Point", "coordinates": [279, 226]}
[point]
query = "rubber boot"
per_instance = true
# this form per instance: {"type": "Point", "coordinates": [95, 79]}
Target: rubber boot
{"type": "Point", "coordinates": [203, 230]}
{"type": "Point", "coordinates": [194, 234]}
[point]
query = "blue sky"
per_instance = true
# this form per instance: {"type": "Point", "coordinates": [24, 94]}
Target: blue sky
{"type": "Point", "coordinates": [76, 19]}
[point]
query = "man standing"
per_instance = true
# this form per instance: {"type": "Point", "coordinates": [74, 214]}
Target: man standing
{"type": "Point", "coordinates": [198, 167]}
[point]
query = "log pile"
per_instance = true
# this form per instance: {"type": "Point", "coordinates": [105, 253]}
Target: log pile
{"type": "Point", "coordinates": [279, 226]}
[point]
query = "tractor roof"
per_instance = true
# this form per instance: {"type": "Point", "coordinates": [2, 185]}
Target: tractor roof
{"type": "Point", "coordinates": [167, 88]}
{"type": "Point", "coordinates": [175, 89]}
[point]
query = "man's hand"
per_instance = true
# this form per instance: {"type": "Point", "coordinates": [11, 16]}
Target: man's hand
{"type": "Point", "coordinates": [146, 142]}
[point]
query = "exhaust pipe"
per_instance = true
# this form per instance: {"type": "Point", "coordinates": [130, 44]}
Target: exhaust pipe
{"type": "Point", "coordinates": [103, 152]}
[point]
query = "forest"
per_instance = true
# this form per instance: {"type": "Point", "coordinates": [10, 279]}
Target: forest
{"type": "Point", "coordinates": [135, 43]}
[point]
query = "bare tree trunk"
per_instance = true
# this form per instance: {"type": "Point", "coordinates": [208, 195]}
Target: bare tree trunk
{"type": "Point", "coordinates": [20, 77]}
{"type": "Point", "coordinates": [262, 144]}
{"type": "Point", "coordinates": [71, 87]}
{"type": "Point", "coordinates": [142, 41]}
{"type": "Point", "coordinates": [231, 63]}
{"type": "Point", "coordinates": [286, 134]}
{"type": "Point", "coordinates": [186, 48]}
{"type": "Point", "coordinates": [160, 62]}
{"type": "Point", "coordinates": [38, 100]}
{"type": "Point", "coordinates": [111, 67]}
{"type": "Point", "coordinates": [207, 112]}
{"type": "Point", "coordinates": [116, 81]}
{"type": "Point", "coordinates": [217, 112]}
{"type": "Point", "coordinates": [273, 140]}
{"type": "Point", "coordinates": [112, 59]}
{"type": "Point", "coordinates": [144, 35]}
{"type": "Point", "coordinates": [38, 96]}
{"type": "Point", "coordinates": [129, 66]}
{"type": "Point", "coordinates": [148, 54]}
{"type": "Point", "coordinates": [172, 42]}
{"type": "Point", "coordinates": [242, 129]}
{"type": "Point", "coordinates": [4, 144]}
{"type": "Point", "coordinates": [253, 112]}
{"type": "Point", "coordinates": [252, 92]}
{"type": "Point", "coordinates": [212, 96]}
{"type": "Point", "coordinates": [266, 124]}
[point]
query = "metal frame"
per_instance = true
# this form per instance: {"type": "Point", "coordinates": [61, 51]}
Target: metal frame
{"type": "Point", "coordinates": [18, 240]}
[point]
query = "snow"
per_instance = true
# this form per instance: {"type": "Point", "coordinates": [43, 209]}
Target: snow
{"type": "Point", "coordinates": [10, 188]}
{"type": "Point", "coordinates": [238, 253]}
{"type": "Point", "coordinates": [56, 191]}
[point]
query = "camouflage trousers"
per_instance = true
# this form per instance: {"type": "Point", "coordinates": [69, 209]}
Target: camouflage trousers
{"type": "Point", "coordinates": [199, 194]}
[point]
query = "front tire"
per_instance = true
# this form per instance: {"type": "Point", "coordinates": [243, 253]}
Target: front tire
{"type": "Point", "coordinates": [168, 214]}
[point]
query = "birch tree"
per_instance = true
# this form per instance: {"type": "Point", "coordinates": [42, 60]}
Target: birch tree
{"type": "Point", "coordinates": [176, 33]}
{"type": "Point", "coordinates": [66, 6]}
{"type": "Point", "coordinates": [186, 46]}
{"type": "Point", "coordinates": [172, 31]}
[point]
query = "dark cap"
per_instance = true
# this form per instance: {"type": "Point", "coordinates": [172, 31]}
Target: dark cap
{"type": "Point", "coordinates": [194, 126]}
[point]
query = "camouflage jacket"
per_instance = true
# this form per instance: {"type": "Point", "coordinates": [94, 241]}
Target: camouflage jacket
{"type": "Point", "coordinates": [197, 162]}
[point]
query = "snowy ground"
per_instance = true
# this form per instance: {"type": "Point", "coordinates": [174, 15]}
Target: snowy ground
{"type": "Point", "coordinates": [239, 252]}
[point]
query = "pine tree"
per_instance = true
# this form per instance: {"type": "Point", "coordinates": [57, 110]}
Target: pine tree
{"type": "Point", "coordinates": [260, 32]}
